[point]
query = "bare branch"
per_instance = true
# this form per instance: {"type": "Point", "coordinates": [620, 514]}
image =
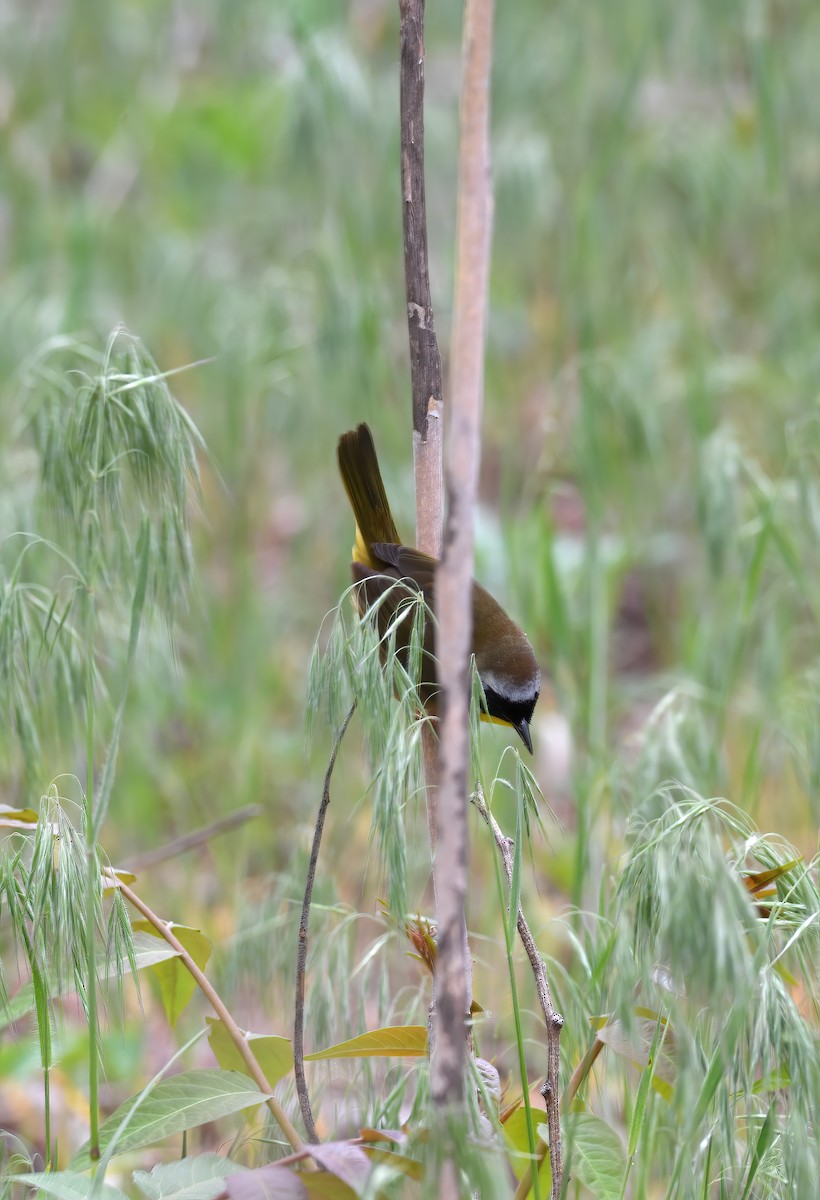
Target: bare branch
{"type": "Point", "coordinates": [454, 574]}
{"type": "Point", "coordinates": [425, 357]}
{"type": "Point", "coordinates": [192, 841]}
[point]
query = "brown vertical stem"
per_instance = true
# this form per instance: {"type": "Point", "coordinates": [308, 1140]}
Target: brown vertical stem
{"type": "Point", "coordinates": [454, 575]}
{"type": "Point", "coordinates": [425, 358]}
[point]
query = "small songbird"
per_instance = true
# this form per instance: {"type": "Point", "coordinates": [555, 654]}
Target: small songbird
{"type": "Point", "coordinates": [503, 655]}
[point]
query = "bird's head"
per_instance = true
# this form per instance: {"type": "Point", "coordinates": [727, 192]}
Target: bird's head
{"type": "Point", "coordinates": [511, 700]}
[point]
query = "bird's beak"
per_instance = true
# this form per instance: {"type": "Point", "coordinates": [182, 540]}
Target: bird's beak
{"type": "Point", "coordinates": [522, 728]}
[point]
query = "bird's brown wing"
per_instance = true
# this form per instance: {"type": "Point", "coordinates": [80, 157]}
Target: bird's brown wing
{"type": "Point", "coordinates": [409, 564]}
{"type": "Point", "coordinates": [386, 591]}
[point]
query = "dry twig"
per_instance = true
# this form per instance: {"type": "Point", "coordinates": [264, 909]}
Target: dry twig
{"type": "Point", "coordinates": [192, 841]}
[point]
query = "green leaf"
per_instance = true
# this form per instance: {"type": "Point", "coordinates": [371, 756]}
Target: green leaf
{"type": "Point", "coordinates": [182, 1102]}
{"type": "Point", "coordinates": [66, 1185]}
{"type": "Point", "coordinates": [517, 1138]}
{"type": "Point", "coordinates": [17, 818]}
{"type": "Point", "coordinates": [641, 1100]}
{"type": "Point", "coordinates": [149, 950]}
{"type": "Point", "coordinates": [273, 1053]}
{"type": "Point", "coordinates": [176, 984]}
{"type": "Point", "coordinates": [394, 1041]}
{"type": "Point", "coordinates": [774, 1081]}
{"type": "Point", "coordinates": [201, 1177]}
{"type": "Point", "coordinates": [765, 1138]}
{"type": "Point", "coordinates": [598, 1159]}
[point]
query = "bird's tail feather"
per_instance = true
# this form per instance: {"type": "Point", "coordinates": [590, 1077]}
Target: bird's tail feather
{"type": "Point", "coordinates": [362, 478]}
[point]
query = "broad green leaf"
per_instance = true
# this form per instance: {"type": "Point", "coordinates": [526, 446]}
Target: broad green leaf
{"type": "Point", "coordinates": [176, 984]}
{"type": "Point", "coordinates": [273, 1053]}
{"type": "Point", "coordinates": [775, 1081]}
{"type": "Point", "coordinates": [66, 1185]}
{"type": "Point", "coordinates": [201, 1177]}
{"type": "Point", "coordinates": [182, 1102]}
{"type": "Point", "coordinates": [394, 1041]}
{"type": "Point", "coordinates": [518, 1142]}
{"type": "Point", "coordinates": [516, 1136]}
{"type": "Point", "coordinates": [598, 1159]}
{"type": "Point", "coordinates": [149, 951]}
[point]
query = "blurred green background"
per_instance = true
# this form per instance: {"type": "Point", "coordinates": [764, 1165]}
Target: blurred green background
{"type": "Point", "coordinates": [223, 178]}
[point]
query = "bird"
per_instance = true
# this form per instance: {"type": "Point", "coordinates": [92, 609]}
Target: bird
{"type": "Point", "coordinates": [505, 660]}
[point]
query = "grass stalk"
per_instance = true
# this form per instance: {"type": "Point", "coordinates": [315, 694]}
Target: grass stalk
{"type": "Point", "coordinates": [519, 1039]}
{"type": "Point", "coordinates": [553, 1020]}
{"type": "Point", "coordinates": [92, 887]}
{"type": "Point", "coordinates": [580, 1074]}
{"type": "Point", "coordinates": [641, 1099]}
{"type": "Point", "coordinates": [41, 1002]}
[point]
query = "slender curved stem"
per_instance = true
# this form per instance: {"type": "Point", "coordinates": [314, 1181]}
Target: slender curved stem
{"type": "Point", "coordinates": [206, 987]}
{"type": "Point", "coordinates": [580, 1073]}
{"type": "Point", "coordinates": [301, 954]}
